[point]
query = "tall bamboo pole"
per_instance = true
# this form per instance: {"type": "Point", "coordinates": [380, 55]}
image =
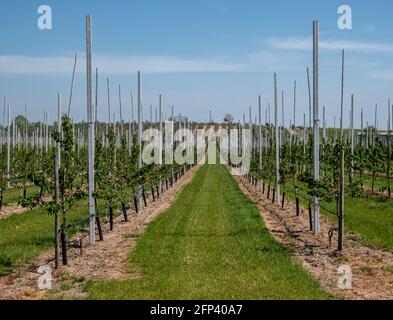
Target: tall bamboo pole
{"type": "Point", "coordinates": [324, 125]}
{"type": "Point", "coordinates": [304, 134]}
{"type": "Point", "coordinates": [96, 104]}
{"type": "Point", "coordinates": [389, 149]}
{"type": "Point", "coordinates": [341, 213]}
{"type": "Point", "coordinates": [121, 112]}
{"type": "Point", "coordinates": [250, 127]}
{"type": "Point", "coordinates": [352, 138]}
{"type": "Point", "coordinates": [72, 83]}
{"type": "Point", "coordinates": [375, 123]}
{"type": "Point", "coordinates": [57, 185]}
{"type": "Point", "coordinates": [9, 145]}
{"type": "Point", "coordinates": [309, 100]}
{"type": "Point", "coordinates": [46, 133]}
{"type": "Point", "coordinates": [26, 129]}
{"type": "Point", "coordinates": [282, 115]}
{"type": "Point", "coordinates": [294, 105]}
{"type": "Point", "coordinates": [392, 116]}
{"type": "Point", "coordinates": [13, 139]}
{"type": "Point", "coordinates": [260, 130]}
{"type": "Point", "coordinates": [139, 123]}
{"type": "Point", "coordinates": [277, 142]}
{"type": "Point", "coordinates": [269, 113]}
{"type": "Point", "coordinates": [90, 128]}
{"type": "Point", "coordinates": [361, 127]}
{"type": "Point", "coordinates": [109, 101]}
{"type": "Point", "coordinates": [3, 129]}
{"type": "Point", "coordinates": [161, 139]}
{"type": "Point", "coordinates": [389, 123]}
{"type": "Point", "coordinates": [132, 120]}
{"type": "Point", "coordinates": [316, 119]}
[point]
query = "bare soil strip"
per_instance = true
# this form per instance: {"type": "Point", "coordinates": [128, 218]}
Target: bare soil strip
{"type": "Point", "coordinates": [382, 195]}
{"type": "Point", "coordinates": [107, 260]}
{"type": "Point", "coordinates": [372, 269]}
{"type": "Point", "coordinates": [11, 209]}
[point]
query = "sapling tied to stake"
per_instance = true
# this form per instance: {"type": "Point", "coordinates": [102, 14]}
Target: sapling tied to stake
{"type": "Point", "coordinates": [69, 192]}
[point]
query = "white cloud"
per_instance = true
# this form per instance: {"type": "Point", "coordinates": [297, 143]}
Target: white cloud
{"type": "Point", "coordinates": [291, 43]}
{"type": "Point", "coordinates": [276, 61]}
{"type": "Point", "coordinates": [164, 64]}
{"type": "Point", "coordinates": [34, 65]}
{"type": "Point", "coordinates": [253, 62]}
{"type": "Point", "coordinates": [384, 75]}
{"type": "Point", "coordinates": [306, 44]}
{"type": "Point", "coordinates": [17, 64]}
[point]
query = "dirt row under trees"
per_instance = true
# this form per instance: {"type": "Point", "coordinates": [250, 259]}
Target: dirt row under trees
{"type": "Point", "coordinates": [372, 269]}
{"type": "Point", "coordinates": [107, 260]}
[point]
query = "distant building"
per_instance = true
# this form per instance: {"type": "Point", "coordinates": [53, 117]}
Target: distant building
{"type": "Point", "coordinates": [383, 135]}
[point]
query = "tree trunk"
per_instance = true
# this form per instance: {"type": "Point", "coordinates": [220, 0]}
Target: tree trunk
{"type": "Point", "coordinates": [389, 192]}
{"type": "Point", "coordinates": [341, 212]}
{"type": "Point", "coordinates": [310, 215]}
{"type": "Point", "coordinates": [25, 180]}
{"type": "Point", "coordinates": [64, 246]}
{"type": "Point", "coordinates": [57, 198]}
{"type": "Point", "coordinates": [111, 218]}
{"type": "Point", "coordinates": [144, 198]}
{"type": "Point", "coordinates": [99, 228]}
{"type": "Point", "coordinates": [124, 207]}
{"type": "Point", "coordinates": [136, 204]}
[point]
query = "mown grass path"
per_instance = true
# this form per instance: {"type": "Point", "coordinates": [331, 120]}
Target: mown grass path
{"type": "Point", "coordinates": [211, 244]}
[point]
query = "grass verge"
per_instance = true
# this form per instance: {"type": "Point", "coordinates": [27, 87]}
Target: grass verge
{"type": "Point", "coordinates": [370, 217]}
{"type": "Point", "coordinates": [12, 196]}
{"type": "Point", "coordinates": [25, 236]}
{"type": "Point", "coordinates": [211, 244]}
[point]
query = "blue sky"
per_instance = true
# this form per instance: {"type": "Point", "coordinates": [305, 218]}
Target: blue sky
{"type": "Point", "coordinates": [202, 55]}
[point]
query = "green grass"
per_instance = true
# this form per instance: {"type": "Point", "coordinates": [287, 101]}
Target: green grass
{"type": "Point", "coordinates": [380, 184]}
{"type": "Point", "coordinates": [211, 244]}
{"type": "Point", "coordinates": [12, 196]}
{"type": "Point", "coordinates": [25, 236]}
{"type": "Point", "coordinates": [370, 217]}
